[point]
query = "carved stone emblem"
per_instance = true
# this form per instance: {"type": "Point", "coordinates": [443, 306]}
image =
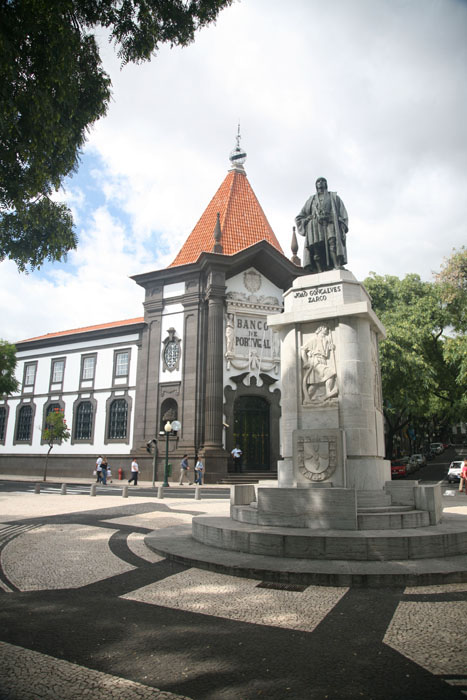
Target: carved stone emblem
{"type": "Point", "coordinates": [317, 456]}
{"type": "Point", "coordinates": [252, 280]}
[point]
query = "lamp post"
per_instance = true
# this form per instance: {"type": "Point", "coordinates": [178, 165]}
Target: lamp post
{"type": "Point", "coordinates": [167, 430]}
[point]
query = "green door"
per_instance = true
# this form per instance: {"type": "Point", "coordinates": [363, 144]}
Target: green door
{"type": "Point", "coordinates": [251, 432]}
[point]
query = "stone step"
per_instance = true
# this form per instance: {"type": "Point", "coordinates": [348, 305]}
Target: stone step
{"type": "Point", "coordinates": [383, 509]}
{"type": "Point", "coordinates": [177, 544]}
{"type": "Point", "coordinates": [444, 540]}
{"type": "Point", "coordinates": [400, 520]}
{"type": "Point", "coordinates": [366, 499]}
{"type": "Point", "coordinates": [249, 478]}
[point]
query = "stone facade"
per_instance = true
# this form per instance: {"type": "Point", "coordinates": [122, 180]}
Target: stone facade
{"type": "Point", "coordinates": [217, 309]}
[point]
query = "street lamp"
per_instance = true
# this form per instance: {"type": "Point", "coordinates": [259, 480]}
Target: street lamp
{"type": "Point", "coordinates": [168, 430]}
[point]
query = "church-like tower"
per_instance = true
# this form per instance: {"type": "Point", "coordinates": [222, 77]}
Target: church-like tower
{"type": "Point", "coordinates": [208, 358]}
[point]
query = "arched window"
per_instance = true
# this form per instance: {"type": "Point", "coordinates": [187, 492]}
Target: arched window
{"type": "Point", "coordinates": [24, 425]}
{"type": "Point", "coordinates": [169, 412]}
{"type": "Point", "coordinates": [51, 408]}
{"type": "Point", "coordinates": [2, 423]}
{"type": "Point", "coordinates": [118, 416]}
{"type": "Point", "coordinates": [83, 421]}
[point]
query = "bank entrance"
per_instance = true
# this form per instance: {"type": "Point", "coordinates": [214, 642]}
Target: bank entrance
{"type": "Point", "coordinates": [252, 432]}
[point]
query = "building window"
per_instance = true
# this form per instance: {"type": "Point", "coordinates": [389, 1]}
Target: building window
{"type": "Point", "coordinates": [171, 352]}
{"type": "Point", "coordinates": [83, 421]}
{"type": "Point", "coordinates": [24, 425]}
{"type": "Point", "coordinates": [52, 408]}
{"type": "Point", "coordinates": [2, 423]}
{"type": "Point", "coordinates": [58, 370]}
{"type": "Point", "coordinates": [30, 374]}
{"type": "Point", "coordinates": [118, 419]}
{"type": "Point", "coordinates": [122, 360]}
{"type": "Point", "coordinates": [88, 367]}
{"type": "Point", "coordinates": [169, 412]}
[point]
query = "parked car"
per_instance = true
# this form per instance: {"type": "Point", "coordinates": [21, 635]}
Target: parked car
{"type": "Point", "coordinates": [437, 447]}
{"type": "Point", "coordinates": [418, 460]}
{"type": "Point", "coordinates": [398, 468]}
{"type": "Point", "coordinates": [454, 472]}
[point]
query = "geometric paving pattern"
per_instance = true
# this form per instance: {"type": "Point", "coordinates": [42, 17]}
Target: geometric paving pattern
{"type": "Point", "coordinates": [87, 610]}
{"type": "Point", "coordinates": [238, 598]}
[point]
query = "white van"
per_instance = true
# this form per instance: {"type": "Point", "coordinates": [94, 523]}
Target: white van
{"type": "Point", "coordinates": [437, 447]}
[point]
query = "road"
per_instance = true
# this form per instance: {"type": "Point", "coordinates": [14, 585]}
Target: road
{"type": "Point", "coordinates": [434, 471]}
{"type": "Point", "coordinates": [437, 469]}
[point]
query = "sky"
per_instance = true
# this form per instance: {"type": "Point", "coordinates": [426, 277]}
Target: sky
{"type": "Point", "coordinates": [371, 94]}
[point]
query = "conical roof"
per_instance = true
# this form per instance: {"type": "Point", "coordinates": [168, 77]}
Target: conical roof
{"type": "Point", "coordinates": [242, 220]}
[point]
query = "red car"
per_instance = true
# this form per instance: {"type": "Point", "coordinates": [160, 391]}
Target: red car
{"type": "Point", "coordinates": [398, 468]}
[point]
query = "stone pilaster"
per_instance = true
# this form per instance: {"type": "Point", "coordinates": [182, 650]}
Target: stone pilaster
{"type": "Point", "coordinates": [214, 454]}
{"type": "Point", "coordinates": [147, 379]}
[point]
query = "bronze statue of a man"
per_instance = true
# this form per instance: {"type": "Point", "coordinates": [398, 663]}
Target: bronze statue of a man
{"type": "Point", "coordinates": [324, 223]}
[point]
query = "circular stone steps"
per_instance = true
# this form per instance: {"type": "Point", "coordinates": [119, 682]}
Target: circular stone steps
{"type": "Point", "coordinates": [444, 540]}
{"type": "Point", "coordinates": [178, 545]}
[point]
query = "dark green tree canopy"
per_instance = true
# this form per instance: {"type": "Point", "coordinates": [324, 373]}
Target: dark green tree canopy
{"type": "Point", "coordinates": [8, 382]}
{"type": "Point", "coordinates": [53, 88]}
{"type": "Point", "coordinates": [423, 377]}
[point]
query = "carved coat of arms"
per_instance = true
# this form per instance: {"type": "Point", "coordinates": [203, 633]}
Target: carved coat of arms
{"type": "Point", "coordinates": [317, 457]}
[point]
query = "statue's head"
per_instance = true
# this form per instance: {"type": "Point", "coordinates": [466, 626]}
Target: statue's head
{"type": "Point", "coordinates": [321, 184]}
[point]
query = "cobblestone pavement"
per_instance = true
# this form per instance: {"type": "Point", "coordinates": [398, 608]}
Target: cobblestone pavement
{"type": "Point", "coordinates": [88, 611]}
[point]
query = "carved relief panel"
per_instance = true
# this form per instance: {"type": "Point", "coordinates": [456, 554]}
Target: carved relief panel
{"type": "Point", "coordinates": [318, 365]}
{"type": "Point", "coordinates": [250, 345]}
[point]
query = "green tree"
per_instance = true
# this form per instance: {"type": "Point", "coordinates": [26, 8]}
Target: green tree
{"type": "Point", "coordinates": [421, 388]}
{"type": "Point", "coordinates": [55, 432]}
{"type": "Point", "coordinates": [8, 383]}
{"type": "Point", "coordinates": [53, 88]}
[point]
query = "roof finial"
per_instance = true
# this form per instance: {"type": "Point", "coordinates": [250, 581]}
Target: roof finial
{"type": "Point", "coordinates": [295, 259]}
{"type": "Point", "coordinates": [217, 247]}
{"type": "Point", "coordinates": [237, 156]}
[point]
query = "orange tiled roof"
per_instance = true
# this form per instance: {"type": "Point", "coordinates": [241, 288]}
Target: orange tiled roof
{"type": "Point", "coordinates": [243, 222]}
{"type": "Point", "coordinates": [85, 329]}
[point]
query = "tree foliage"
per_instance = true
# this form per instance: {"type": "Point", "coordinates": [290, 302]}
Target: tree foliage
{"type": "Point", "coordinates": [55, 432]}
{"type": "Point", "coordinates": [53, 88]}
{"type": "Point", "coordinates": [8, 383]}
{"type": "Point", "coordinates": [422, 380]}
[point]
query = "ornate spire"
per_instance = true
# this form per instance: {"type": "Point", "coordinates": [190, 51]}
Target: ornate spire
{"type": "Point", "coordinates": [237, 156]}
{"type": "Point", "coordinates": [217, 248]}
{"type": "Point", "coordinates": [295, 259]}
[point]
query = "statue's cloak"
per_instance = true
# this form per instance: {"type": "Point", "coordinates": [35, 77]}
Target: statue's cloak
{"type": "Point", "coordinates": [314, 232]}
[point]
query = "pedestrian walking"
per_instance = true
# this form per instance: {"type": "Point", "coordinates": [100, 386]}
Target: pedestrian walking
{"type": "Point", "coordinates": [134, 472]}
{"type": "Point", "coordinates": [199, 469]}
{"type": "Point", "coordinates": [98, 469]}
{"type": "Point", "coordinates": [463, 479]}
{"type": "Point", "coordinates": [109, 474]}
{"type": "Point", "coordinates": [237, 458]}
{"type": "Point", "coordinates": [104, 471]}
{"type": "Point", "coordinates": [183, 470]}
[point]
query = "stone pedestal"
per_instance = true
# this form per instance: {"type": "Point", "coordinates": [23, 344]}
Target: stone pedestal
{"type": "Point", "coordinates": [332, 421]}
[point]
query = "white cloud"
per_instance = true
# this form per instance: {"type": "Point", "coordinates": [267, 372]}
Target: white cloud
{"type": "Point", "coordinates": [369, 93]}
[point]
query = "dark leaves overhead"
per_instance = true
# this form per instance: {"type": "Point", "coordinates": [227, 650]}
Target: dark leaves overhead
{"type": "Point", "coordinates": [52, 90]}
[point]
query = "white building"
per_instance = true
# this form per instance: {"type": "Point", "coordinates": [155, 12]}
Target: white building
{"type": "Point", "coordinates": [90, 373]}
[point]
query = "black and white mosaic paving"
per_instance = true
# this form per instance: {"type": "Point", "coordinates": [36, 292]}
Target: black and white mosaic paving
{"type": "Point", "coordinates": [88, 611]}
